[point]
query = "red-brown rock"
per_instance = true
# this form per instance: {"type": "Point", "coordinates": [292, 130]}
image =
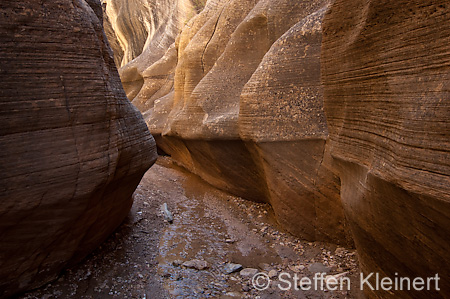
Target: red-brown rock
{"type": "Point", "coordinates": [386, 74]}
{"type": "Point", "coordinates": [281, 117]}
{"type": "Point", "coordinates": [72, 147]}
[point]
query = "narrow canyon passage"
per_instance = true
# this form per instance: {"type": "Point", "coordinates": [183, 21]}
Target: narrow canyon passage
{"type": "Point", "coordinates": [323, 122]}
{"type": "Point", "coordinates": [145, 257]}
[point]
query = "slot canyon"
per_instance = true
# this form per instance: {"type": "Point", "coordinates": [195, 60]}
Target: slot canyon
{"type": "Point", "coordinates": [224, 149]}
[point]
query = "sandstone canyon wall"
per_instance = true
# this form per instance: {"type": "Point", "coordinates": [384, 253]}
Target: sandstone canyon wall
{"type": "Point", "coordinates": [72, 147]}
{"type": "Point", "coordinates": [140, 32]}
{"type": "Point", "coordinates": [241, 106]}
{"type": "Point", "coordinates": [386, 75]}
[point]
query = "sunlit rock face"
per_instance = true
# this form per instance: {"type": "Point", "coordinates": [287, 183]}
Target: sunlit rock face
{"type": "Point", "coordinates": [140, 32]}
{"type": "Point", "coordinates": [386, 75]}
{"type": "Point", "coordinates": [245, 109]}
{"type": "Point", "coordinates": [72, 147]}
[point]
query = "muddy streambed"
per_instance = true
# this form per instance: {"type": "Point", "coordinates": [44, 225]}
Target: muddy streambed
{"type": "Point", "coordinates": [212, 233]}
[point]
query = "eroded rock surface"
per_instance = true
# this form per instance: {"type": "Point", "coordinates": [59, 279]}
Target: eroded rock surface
{"type": "Point", "coordinates": [141, 31]}
{"type": "Point", "coordinates": [282, 120]}
{"type": "Point", "coordinates": [72, 147]}
{"type": "Point", "coordinates": [386, 72]}
{"type": "Point", "coordinates": [246, 113]}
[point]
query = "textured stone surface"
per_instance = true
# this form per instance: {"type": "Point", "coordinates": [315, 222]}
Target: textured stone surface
{"type": "Point", "coordinates": [210, 79]}
{"type": "Point", "coordinates": [223, 163]}
{"type": "Point", "coordinates": [72, 147]}
{"type": "Point", "coordinates": [141, 31]}
{"type": "Point", "coordinates": [281, 115]}
{"type": "Point", "coordinates": [246, 112]}
{"type": "Point", "coordinates": [386, 72]}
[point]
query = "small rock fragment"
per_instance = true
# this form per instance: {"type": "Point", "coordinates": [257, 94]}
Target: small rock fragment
{"type": "Point", "coordinates": [339, 251]}
{"type": "Point", "coordinates": [264, 267]}
{"type": "Point", "coordinates": [296, 268]}
{"type": "Point", "coordinates": [272, 274]}
{"type": "Point", "coordinates": [248, 272]}
{"type": "Point", "coordinates": [167, 214]}
{"type": "Point", "coordinates": [177, 263]}
{"type": "Point", "coordinates": [231, 268]}
{"type": "Point", "coordinates": [196, 264]}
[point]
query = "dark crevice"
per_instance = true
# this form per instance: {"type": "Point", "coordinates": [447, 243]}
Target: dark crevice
{"type": "Point", "coordinates": [212, 35]}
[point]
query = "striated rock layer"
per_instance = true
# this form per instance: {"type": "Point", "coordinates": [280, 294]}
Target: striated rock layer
{"type": "Point", "coordinates": [72, 147]}
{"type": "Point", "coordinates": [246, 113]}
{"type": "Point", "coordinates": [141, 31]}
{"type": "Point", "coordinates": [281, 118]}
{"type": "Point", "coordinates": [386, 72]}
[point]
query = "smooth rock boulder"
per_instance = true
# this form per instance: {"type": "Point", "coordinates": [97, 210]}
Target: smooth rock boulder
{"type": "Point", "coordinates": [72, 147]}
{"type": "Point", "coordinates": [386, 76]}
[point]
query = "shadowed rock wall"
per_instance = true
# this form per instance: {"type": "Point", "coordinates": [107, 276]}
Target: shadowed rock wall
{"type": "Point", "coordinates": [72, 147]}
{"type": "Point", "coordinates": [386, 75]}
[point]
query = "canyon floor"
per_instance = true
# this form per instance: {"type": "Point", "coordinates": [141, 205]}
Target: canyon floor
{"type": "Point", "coordinates": [144, 258]}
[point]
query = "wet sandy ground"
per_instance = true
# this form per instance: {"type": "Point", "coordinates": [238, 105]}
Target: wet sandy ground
{"type": "Point", "coordinates": [144, 258]}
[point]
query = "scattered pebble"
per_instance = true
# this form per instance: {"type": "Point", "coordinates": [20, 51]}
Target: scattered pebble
{"type": "Point", "coordinates": [139, 261]}
{"type": "Point", "coordinates": [339, 251]}
{"type": "Point", "coordinates": [272, 274]}
{"type": "Point", "coordinates": [167, 214]}
{"type": "Point", "coordinates": [177, 263]}
{"type": "Point", "coordinates": [248, 272]}
{"type": "Point", "coordinates": [196, 264]}
{"type": "Point", "coordinates": [265, 267]}
{"type": "Point", "coordinates": [231, 268]}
